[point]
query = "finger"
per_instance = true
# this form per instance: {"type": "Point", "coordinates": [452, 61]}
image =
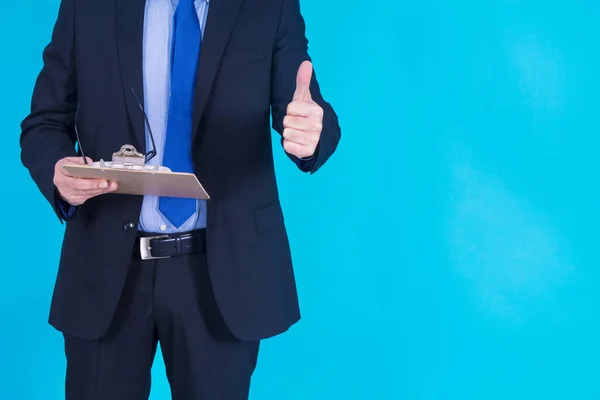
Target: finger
{"type": "Point", "coordinates": [303, 79]}
{"type": "Point", "coordinates": [72, 160]}
{"type": "Point", "coordinates": [75, 160]}
{"type": "Point", "coordinates": [77, 200]}
{"type": "Point", "coordinates": [296, 149]}
{"type": "Point", "coordinates": [303, 109]}
{"type": "Point", "coordinates": [300, 137]}
{"type": "Point", "coordinates": [82, 184]}
{"type": "Point", "coordinates": [293, 135]}
{"type": "Point", "coordinates": [82, 198]}
{"type": "Point", "coordinates": [79, 160]}
{"type": "Point", "coordinates": [112, 186]}
{"type": "Point", "coordinates": [76, 197]}
{"type": "Point", "coordinates": [302, 124]}
{"type": "Point", "coordinates": [72, 197]}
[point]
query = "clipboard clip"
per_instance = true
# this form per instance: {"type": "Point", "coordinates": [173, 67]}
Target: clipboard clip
{"type": "Point", "coordinates": [129, 158]}
{"type": "Point", "coordinates": [128, 155]}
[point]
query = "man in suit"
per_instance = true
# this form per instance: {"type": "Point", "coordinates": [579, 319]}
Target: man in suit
{"type": "Point", "coordinates": [207, 280]}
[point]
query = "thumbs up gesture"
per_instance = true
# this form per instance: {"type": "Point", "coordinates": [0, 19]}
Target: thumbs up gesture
{"type": "Point", "coordinates": [303, 122]}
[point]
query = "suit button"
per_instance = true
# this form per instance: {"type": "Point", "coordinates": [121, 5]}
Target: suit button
{"type": "Point", "coordinates": [129, 226]}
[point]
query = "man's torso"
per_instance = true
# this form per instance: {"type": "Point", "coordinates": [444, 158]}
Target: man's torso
{"type": "Point", "coordinates": [248, 248]}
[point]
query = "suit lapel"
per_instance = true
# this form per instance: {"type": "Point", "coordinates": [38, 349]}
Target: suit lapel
{"type": "Point", "coordinates": [219, 23]}
{"type": "Point", "coordinates": [130, 30]}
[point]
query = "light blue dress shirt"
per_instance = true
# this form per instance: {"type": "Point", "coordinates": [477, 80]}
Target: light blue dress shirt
{"type": "Point", "coordinates": [157, 39]}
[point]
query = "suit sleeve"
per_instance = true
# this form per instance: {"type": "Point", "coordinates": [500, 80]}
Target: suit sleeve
{"type": "Point", "coordinates": [291, 49]}
{"type": "Point", "coordinates": [47, 133]}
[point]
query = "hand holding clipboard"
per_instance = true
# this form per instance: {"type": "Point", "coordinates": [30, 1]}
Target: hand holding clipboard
{"type": "Point", "coordinates": [132, 176]}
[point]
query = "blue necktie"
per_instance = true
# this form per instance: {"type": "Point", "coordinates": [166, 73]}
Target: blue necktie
{"type": "Point", "coordinates": [178, 145]}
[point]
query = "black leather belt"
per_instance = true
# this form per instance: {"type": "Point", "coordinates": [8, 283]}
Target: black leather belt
{"type": "Point", "coordinates": [152, 247]}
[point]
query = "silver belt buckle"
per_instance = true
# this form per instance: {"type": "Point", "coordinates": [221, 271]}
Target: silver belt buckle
{"type": "Point", "coordinates": [146, 250]}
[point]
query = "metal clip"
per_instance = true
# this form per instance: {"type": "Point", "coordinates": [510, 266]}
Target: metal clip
{"type": "Point", "coordinates": [128, 156]}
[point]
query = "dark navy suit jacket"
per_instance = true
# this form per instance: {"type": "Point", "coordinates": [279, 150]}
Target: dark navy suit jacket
{"type": "Point", "coordinates": [250, 56]}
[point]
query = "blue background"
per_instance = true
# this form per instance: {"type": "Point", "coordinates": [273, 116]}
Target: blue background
{"type": "Point", "coordinates": [450, 248]}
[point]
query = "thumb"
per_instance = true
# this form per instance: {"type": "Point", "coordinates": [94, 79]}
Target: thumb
{"type": "Point", "coordinates": [75, 160]}
{"type": "Point", "coordinates": [70, 160]}
{"type": "Point", "coordinates": [78, 160]}
{"type": "Point", "coordinates": [303, 79]}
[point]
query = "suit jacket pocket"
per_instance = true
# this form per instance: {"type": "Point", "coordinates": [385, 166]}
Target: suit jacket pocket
{"type": "Point", "coordinates": [243, 57]}
{"type": "Point", "coordinates": [269, 217]}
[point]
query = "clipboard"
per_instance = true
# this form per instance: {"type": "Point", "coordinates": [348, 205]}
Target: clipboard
{"type": "Point", "coordinates": [128, 169]}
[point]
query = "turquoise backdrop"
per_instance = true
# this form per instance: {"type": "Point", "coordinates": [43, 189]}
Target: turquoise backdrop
{"type": "Point", "coordinates": [447, 251]}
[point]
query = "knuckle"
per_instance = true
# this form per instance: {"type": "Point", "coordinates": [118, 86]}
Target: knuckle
{"type": "Point", "coordinates": [292, 133]}
{"type": "Point", "coordinates": [292, 107]}
{"type": "Point", "coordinates": [317, 111]}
